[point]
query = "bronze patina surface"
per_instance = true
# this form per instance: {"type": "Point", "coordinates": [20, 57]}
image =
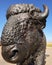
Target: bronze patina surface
{"type": "Point", "coordinates": [23, 41]}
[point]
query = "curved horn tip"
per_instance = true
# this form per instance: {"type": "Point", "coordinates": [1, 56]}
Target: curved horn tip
{"type": "Point", "coordinates": [46, 9]}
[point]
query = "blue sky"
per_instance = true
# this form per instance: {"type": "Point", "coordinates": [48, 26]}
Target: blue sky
{"type": "Point", "coordinates": [4, 4]}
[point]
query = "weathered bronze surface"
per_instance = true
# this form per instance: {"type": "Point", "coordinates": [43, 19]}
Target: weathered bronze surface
{"type": "Point", "coordinates": [23, 41]}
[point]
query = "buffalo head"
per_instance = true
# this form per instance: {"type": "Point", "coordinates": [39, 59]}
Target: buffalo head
{"type": "Point", "coordinates": [22, 33]}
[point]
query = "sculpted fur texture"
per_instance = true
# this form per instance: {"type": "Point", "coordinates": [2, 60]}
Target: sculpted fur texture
{"type": "Point", "coordinates": [23, 41]}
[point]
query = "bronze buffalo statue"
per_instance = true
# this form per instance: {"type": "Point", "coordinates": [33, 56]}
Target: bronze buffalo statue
{"type": "Point", "coordinates": [23, 41]}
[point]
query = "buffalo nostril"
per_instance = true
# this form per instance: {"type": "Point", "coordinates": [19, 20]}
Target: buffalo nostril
{"type": "Point", "coordinates": [14, 52]}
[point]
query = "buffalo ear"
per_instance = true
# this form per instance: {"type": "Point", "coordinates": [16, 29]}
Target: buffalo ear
{"type": "Point", "coordinates": [41, 24]}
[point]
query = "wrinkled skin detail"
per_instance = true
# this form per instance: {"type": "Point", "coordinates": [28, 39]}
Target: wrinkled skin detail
{"type": "Point", "coordinates": [23, 41]}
